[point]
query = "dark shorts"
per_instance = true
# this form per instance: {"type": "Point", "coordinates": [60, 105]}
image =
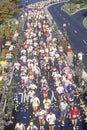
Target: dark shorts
{"type": "Point", "coordinates": [74, 118]}
{"type": "Point", "coordinates": [51, 124]}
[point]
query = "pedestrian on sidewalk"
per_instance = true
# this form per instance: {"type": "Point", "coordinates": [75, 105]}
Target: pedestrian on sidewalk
{"type": "Point", "coordinates": [75, 60]}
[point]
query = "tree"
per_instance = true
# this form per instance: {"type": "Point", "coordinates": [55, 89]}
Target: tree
{"type": "Point", "coordinates": [79, 1]}
{"type": "Point", "coordinates": [8, 8]}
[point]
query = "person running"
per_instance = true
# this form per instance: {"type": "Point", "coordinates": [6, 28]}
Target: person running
{"type": "Point", "coordinates": [51, 118]}
{"type": "Point", "coordinates": [41, 113]}
{"type": "Point", "coordinates": [47, 103]}
{"type": "Point", "coordinates": [74, 114]}
{"type": "Point", "coordinates": [63, 110]}
{"type": "Point", "coordinates": [19, 126]}
{"type": "Point", "coordinates": [35, 103]}
{"type": "Point", "coordinates": [32, 126]}
{"type": "Point", "coordinates": [60, 90]}
{"type": "Point", "coordinates": [44, 90]}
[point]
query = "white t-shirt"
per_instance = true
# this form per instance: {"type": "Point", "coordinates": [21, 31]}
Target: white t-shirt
{"type": "Point", "coordinates": [33, 86]}
{"type": "Point", "coordinates": [35, 100]}
{"type": "Point", "coordinates": [17, 65]}
{"type": "Point", "coordinates": [19, 126]}
{"type": "Point", "coordinates": [51, 119]}
{"type": "Point", "coordinates": [41, 114]}
{"type": "Point", "coordinates": [60, 89]}
{"type": "Point", "coordinates": [80, 56]}
{"type": "Point", "coordinates": [63, 105]}
{"type": "Point", "coordinates": [67, 82]}
{"type": "Point", "coordinates": [23, 51]}
{"type": "Point", "coordinates": [23, 58]}
{"type": "Point", "coordinates": [30, 94]}
{"type": "Point", "coordinates": [32, 127]}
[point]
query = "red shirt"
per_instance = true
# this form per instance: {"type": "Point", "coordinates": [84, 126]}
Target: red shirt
{"type": "Point", "coordinates": [74, 112]}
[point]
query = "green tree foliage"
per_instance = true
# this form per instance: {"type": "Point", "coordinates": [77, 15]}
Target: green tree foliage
{"type": "Point", "coordinates": [79, 1]}
{"type": "Point", "coordinates": [8, 8]}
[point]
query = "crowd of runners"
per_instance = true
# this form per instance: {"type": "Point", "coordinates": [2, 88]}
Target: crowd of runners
{"type": "Point", "coordinates": [44, 77]}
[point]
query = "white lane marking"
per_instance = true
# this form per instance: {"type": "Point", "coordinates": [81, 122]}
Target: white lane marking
{"type": "Point", "coordinates": [68, 24]}
{"type": "Point", "coordinates": [64, 18]}
{"type": "Point", "coordinates": [84, 41]}
{"type": "Point", "coordinates": [75, 31]}
{"type": "Point", "coordinates": [60, 14]}
{"type": "Point", "coordinates": [61, 8]}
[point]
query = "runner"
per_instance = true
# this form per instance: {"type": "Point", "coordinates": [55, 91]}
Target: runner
{"type": "Point", "coordinates": [60, 91]}
{"type": "Point", "coordinates": [74, 114]}
{"type": "Point", "coordinates": [47, 103]}
{"type": "Point", "coordinates": [63, 110]}
{"type": "Point", "coordinates": [41, 114]}
{"type": "Point", "coordinates": [44, 90]}
{"type": "Point", "coordinates": [19, 126]}
{"type": "Point", "coordinates": [32, 126]}
{"type": "Point", "coordinates": [35, 103]}
{"type": "Point", "coordinates": [51, 118]}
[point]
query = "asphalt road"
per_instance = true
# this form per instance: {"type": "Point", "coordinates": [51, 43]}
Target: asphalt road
{"type": "Point", "coordinates": [77, 33]}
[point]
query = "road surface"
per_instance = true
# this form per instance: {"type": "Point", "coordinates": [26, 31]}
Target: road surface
{"type": "Point", "coordinates": [77, 33]}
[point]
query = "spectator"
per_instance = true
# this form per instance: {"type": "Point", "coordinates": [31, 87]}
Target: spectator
{"type": "Point", "coordinates": [75, 60]}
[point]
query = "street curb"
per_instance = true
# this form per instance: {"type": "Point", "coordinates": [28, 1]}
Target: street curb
{"type": "Point", "coordinates": [48, 13]}
{"type": "Point", "coordinates": [75, 11]}
{"type": "Point", "coordinates": [84, 23]}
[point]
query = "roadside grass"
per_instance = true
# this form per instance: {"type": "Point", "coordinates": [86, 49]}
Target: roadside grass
{"type": "Point", "coordinates": [72, 8]}
{"type": "Point", "coordinates": [2, 83]}
{"type": "Point", "coordinates": [69, 8]}
{"type": "Point", "coordinates": [3, 54]}
{"type": "Point", "coordinates": [85, 22]}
